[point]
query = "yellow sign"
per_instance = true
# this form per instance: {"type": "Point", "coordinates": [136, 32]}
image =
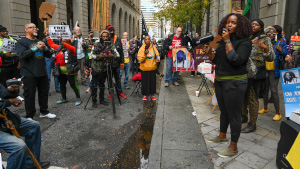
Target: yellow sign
{"type": "Point", "coordinates": [294, 155]}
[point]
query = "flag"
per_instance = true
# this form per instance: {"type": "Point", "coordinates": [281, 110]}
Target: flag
{"type": "Point", "coordinates": [247, 8]}
{"type": "Point", "coordinates": [144, 29]}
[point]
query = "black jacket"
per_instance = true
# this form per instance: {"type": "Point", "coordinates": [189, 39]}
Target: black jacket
{"type": "Point", "coordinates": [5, 94]}
{"type": "Point", "coordinates": [11, 61]}
{"type": "Point", "coordinates": [118, 61]}
{"type": "Point", "coordinates": [70, 60]}
{"type": "Point", "coordinates": [234, 62]}
{"type": "Point", "coordinates": [168, 42]}
{"type": "Point", "coordinates": [85, 45]}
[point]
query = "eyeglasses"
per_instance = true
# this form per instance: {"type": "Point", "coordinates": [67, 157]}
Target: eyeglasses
{"type": "Point", "coordinates": [270, 34]}
{"type": "Point", "coordinates": [32, 27]}
{"type": "Point", "coordinates": [4, 31]}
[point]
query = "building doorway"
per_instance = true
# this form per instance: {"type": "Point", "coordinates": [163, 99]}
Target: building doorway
{"type": "Point", "coordinates": [34, 11]}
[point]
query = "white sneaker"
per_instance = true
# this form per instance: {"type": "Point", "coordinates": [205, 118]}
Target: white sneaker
{"type": "Point", "coordinates": [192, 75]}
{"type": "Point", "coordinates": [21, 98]}
{"type": "Point", "coordinates": [29, 119]}
{"type": "Point", "coordinates": [49, 115]}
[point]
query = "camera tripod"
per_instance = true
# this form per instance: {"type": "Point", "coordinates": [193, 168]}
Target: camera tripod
{"type": "Point", "coordinates": [112, 86]}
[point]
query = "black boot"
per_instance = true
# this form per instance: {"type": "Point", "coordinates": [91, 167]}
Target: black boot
{"type": "Point", "coordinates": [105, 103]}
{"type": "Point", "coordinates": [94, 105]}
{"type": "Point", "coordinates": [244, 119]}
{"type": "Point", "coordinates": [249, 129]}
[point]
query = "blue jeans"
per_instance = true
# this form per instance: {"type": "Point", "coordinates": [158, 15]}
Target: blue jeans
{"type": "Point", "coordinates": [169, 72]}
{"type": "Point", "coordinates": [49, 66]}
{"type": "Point", "coordinates": [91, 85]}
{"type": "Point", "coordinates": [16, 147]}
{"type": "Point", "coordinates": [126, 69]}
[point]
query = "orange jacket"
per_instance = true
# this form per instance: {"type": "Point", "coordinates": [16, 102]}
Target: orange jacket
{"type": "Point", "coordinates": [148, 62]}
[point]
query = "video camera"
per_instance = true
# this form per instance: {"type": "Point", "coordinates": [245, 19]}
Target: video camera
{"type": "Point", "coordinates": [14, 82]}
{"type": "Point", "coordinates": [106, 48]}
{"type": "Point", "coordinates": [205, 39]}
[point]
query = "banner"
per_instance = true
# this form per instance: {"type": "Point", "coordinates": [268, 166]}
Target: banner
{"type": "Point", "coordinates": [182, 59]}
{"type": "Point", "coordinates": [291, 90]}
{"type": "Point", "coordinates": [200, 56]}
{"type": "Point", "coordinates": [125, 47]}
{"type": "Point", "coordinates": [60, 30]}
{"type": "Point", "coordinates": [8, 46]}
{"type": "Point", "coordinates": [294, 42]}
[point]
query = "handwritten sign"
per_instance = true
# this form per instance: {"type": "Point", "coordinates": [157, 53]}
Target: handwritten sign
{"type": "Point", "coordinates": [8, 46]}
{"type": "Point", "coordinates": [125, 48]}
{"type": "Point", "coordinates": [60, 30]}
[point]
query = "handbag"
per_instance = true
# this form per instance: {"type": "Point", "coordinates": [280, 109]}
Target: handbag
{"type": "Point", "coordinates": [56, 69]}
{"type": "Point", "coordinates": [270, 65]}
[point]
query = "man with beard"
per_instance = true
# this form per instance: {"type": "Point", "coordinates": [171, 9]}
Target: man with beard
{"type": "Point", "coordinates": [10, 61]}
{"type": "Point", "coordinates": [81, 46]}
{"type": "Point", "coordinates": [32, 53]}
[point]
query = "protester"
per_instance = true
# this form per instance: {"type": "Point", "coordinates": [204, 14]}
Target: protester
{"type": "Point", "coordinates": [29, 129]}
{"type": "Point", "coordinates": [148, 56]}
{"type": "Point", "coordinates": [177, 40]}
{"type": "Point", "coordinates": [126, 67]}
{"type": "Point", "coordinates": [119, 61]}
{"type": "Point", "coordinates": [10, 61]}
{"type": "Point", "coordinates": [195, 39]}
{"type": "Point", "coordinates": [280, 48]}
{"type": "Point", "coordinates": [231, 58]}
{"type": "Point", "coordinates": [134, 48]}
{"type": "Point", "coordinates": [294, 60]}
{"type": "Point", "coordinates": [157, 63]}
{"type": "Point", "coordinates": [67, 61]}
{"type": "Point", "coordinates": [298, 32]}
{"type": "Point", "coordinates": [32, 53]}
{"type": "Point", "coordinates": [81, 46]}
{"type": "Point", "coordinates": [99, 67]}
{"type": "Point", "coordinates": [262, 51]}
{"type": "Point", "coordinates": [49, 67]}
{"type": "Point", "coordinates": [284, 38]}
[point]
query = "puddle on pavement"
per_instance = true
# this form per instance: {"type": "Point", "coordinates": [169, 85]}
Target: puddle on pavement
{"type": "Point", "coordinates": [135, 152]}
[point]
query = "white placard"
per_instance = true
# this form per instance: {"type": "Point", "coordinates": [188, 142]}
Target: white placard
{"type": "Point", "coordinates": [125, 48]}
{"type": "Point", "coordinates": [8, 46]}
{"type": "Point", "coordinates": [60, 30]}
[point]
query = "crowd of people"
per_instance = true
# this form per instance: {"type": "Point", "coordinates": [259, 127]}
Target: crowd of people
{"type": "Point", "coordinates": [247, 59]}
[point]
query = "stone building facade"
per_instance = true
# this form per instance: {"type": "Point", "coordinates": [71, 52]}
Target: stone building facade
{"type": "Point", "coordinates": [272, 12]}
{"type": "Point", "coordinates": [14, 14]}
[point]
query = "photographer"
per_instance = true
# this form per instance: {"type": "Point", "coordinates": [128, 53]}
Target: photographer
{"type": "Point", "coordinates": [99, 72]}
{"type": "Point", "coordinates": [32, 53]}
{"type": "Point", "coordinates": [16, 147]}
{"type": "Point", "coordinates": [119, 62]}
{"type": "Point", "coordinates": [133, 50]}
{"type": "Point", "coordinates": [231, 58]}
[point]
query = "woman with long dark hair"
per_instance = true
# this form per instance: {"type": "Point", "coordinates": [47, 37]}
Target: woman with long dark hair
{"type": "Point", "coordinates": [230, 58]}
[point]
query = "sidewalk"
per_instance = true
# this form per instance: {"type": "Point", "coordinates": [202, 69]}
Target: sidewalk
{"type": "Point", "coordinates": [256, 150]}
{"type": "Point", "coordinates": [177, 140]}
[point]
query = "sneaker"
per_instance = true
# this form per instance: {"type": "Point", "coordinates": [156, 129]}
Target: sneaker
{"type": "Point", "coordinates": [109, 96]}
{"type": "Point", "coordinates": [145, 98]}
{"type": "Point", "coordinates": [62, 101]}
{"type": "Point", "coordinates": [105, 103]}
{"type": "Point", "coordinates": [176, 83]}
{"type": "Point", "coordinates": [166, 84]}
{"type": "Point", "coordinates": [29, 119]}
{"type": "Point", "coordinates": [277, 117]}
{"type": "Point", "coordinates": [78, 102]}
{"type": "Point", "coordinates": [127, 87]}
{"type": "Point", "coordinates": [262, 111]}
{"type": "Point", "coordinates": [122, 95]}
{"type": "Point", "coordinates": [49, 115]}
{"type": "Point", "coordinates": [227, 152]}
{"type": "Point", "coordinates": [198, 75]}
{"type": "Point", "coordinates": [88, 90]}
{"type": "Point", "coordinates": [192, 75]}
{"type": "Point", "coordinates": [216, 140]}
{"type": "Point", "coordinates": [57, 91]}
{"type": "Point", "coordinates": [153, 98]}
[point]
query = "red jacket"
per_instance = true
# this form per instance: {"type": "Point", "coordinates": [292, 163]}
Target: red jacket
{"type": "Point", "coordinates": [71, 48]}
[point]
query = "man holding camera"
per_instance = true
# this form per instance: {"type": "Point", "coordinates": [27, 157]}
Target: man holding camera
{"type": "Point", "coordinates": [101, 52]}
{"type": "Point", "coordinates": [10, 61]}
{"type": "Point", "coordinates": [119, 62]}
{"type": "Point", "coordinates": [16, 147]}
{"type": "Point", "coordinates": [32, 53]}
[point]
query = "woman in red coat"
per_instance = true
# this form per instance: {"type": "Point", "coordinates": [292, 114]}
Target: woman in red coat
{"type": "Point", "coordinates": [66, 58]}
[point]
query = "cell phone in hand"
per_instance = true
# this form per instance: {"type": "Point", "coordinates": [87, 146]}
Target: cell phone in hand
{"type": "Point", "coordinates": [146, 47]}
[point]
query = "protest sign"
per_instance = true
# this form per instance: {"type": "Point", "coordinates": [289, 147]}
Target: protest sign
{"type": "Point", "coordinates": [125, 48]}
{"type": "Point", "coordinates": [291, 90]}
{"type": "Point", "coordinates": [200, 56]}
{"type": "Point", "coordinates": [294, 42]}
{"type": "Point", "coordinates": [182, 60]}
{"type": "Point", "coordinates": [8, 46]}
{"type": "Point", "coordinates": [60, 30]}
